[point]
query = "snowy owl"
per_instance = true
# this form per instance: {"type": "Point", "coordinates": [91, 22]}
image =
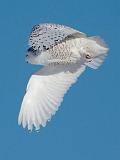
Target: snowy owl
{"type": "Point", "coordinates": [64, 54]}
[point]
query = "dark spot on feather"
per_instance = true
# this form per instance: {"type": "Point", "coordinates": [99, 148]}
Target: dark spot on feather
{"type": "Point", "coordinates": [31, 49]}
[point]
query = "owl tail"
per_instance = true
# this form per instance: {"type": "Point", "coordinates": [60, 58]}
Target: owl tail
{"type": "Point", "coordinates": [101, 50]}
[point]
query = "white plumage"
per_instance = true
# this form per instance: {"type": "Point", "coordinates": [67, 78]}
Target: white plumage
{"type": "Point", "coordinates": [65, 53]}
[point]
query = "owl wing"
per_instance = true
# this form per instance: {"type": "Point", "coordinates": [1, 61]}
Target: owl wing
{"type": "Point", "coordinates": [45, 92]}
{"type": "Point", "coordinates": [45, 36]}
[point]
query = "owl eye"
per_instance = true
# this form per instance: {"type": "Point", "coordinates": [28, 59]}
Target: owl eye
{"type": "Point", "coordinates": [88, 56]}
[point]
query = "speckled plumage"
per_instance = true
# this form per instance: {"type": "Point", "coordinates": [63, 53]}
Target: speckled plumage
{"type": "Point", "coordinates": [45, 36]}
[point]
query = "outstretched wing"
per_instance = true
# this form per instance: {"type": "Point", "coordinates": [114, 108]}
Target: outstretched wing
{"type": "Point", "coordinates": [45, 92]}
{"type": "Point", "coordinates": [45, 36]}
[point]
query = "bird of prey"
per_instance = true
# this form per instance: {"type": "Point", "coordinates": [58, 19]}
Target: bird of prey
{"type": "Point", "coordinates": [64, 54]}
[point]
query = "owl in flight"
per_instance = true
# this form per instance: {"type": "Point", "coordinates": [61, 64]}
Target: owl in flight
{"type": "Point", "coordinates": [64, 54]}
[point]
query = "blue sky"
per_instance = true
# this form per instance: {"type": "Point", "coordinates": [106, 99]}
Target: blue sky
{"type": "Point", "coordinates": [87, 126]}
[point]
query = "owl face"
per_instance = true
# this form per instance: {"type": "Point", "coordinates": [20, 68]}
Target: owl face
{"type": "Point", "coordinates": [90, 49]}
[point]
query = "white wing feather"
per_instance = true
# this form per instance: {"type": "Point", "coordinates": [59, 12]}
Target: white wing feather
{"type": "Point", "coordinates": [45, 92]}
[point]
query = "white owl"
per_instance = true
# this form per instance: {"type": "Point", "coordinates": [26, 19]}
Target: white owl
{"type": "Point", "coordinates": [65, 53]}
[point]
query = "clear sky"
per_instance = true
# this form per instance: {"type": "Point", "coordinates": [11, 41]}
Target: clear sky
{"type": "Point", "coordinates": [87, 125]}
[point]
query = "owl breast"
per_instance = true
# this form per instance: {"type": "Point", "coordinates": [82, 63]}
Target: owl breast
{"type": "Point", "coordinates": [65, 52]}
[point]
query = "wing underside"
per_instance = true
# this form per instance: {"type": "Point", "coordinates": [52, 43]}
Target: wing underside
{"type": "Point", "coordinates": [45, 92]}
